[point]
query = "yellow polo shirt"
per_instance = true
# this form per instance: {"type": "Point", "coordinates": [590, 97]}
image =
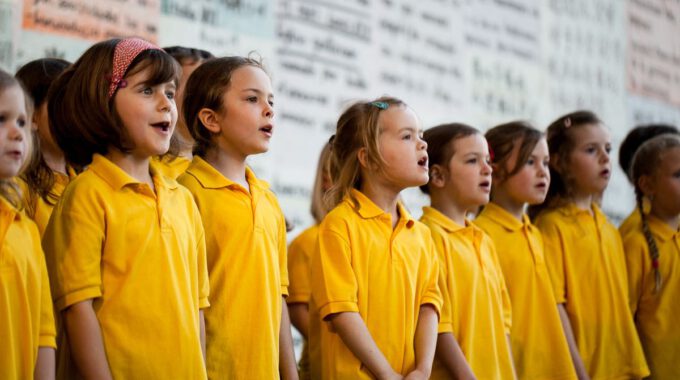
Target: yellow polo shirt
{"type": "Point", "coordinates": [476, 303]}
{"type": "Point", "coordinates": [299, 258]}
{"type": "Point", "coordinates": [631, 223]}
{"type": "Point", "coordinates": [172, 168]}
{"type": "Point", "coordinates": [41, 209]}
{"type": "Point", "coordinates": [656, 313]}
{"type": "Point", "coordinates": [140, 256]}
{"type": "Point", "coordinates": [587, 268]}
{"type": "Point", "coordinates": [364, 266]}
{"type": "Point", "coordinates": [246, 245]}
{"type": "Point", "coordinates": [539, 348]}
{"type": "Point", "coordinates": [26, 319]}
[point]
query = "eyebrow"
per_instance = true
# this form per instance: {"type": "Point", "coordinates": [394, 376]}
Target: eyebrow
{"type": "Point", "coordinates": [411, 129]}
{"type": "Point", "coordinates": [255, 90]}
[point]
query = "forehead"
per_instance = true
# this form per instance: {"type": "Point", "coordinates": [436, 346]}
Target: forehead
{"type": "Point", "coordinates": [12, 98]}
{"type": "Point", "coordinates": [397, 117]}
{"type": "Point", "coordinates": [670, 159]}
{"type": "Point", "coordinates": [474, 143]}
{"type": "Point", "coordinates": [250, 77]}
{"type": "Point", "coordinates": [590, 133]}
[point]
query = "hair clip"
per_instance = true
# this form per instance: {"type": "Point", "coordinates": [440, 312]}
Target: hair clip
{"type": "Point", "coordinates": [491, 154]}
{"type": "Point", "coordinates": [567, 122]}
{"type": "Point", "coordinates": [381, 105]}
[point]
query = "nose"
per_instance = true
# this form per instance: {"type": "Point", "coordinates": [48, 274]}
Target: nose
{"type": "Point", "coordinates": [422, 144]}
{"type": "Point", "coordinates": [165, 103]}
{"type": "Point", "coordinates": [16, 132]}
{"type": "Point", "coordinates": [604, 156]}
{"type": "Point", "coordinates": [268, 110]}
{"type": "Point", "coordinates": [486, 167]}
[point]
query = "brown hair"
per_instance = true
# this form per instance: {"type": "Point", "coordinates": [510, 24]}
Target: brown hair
{"type": "Point", "coordinates": [319, 209]}
{"type": "Point", "coordinates": [440, 141]}
{"type": "Point", "coordinates": [357, 128]}
{"type": "Point", "coordinates": [8, 187]}
{"type": "Point", "coordinates": [503, 139]}
{"type": "Point", "coordinates": [205, 89]}
{"type": "Point", "coordinates": [645, 162]}
{"type": "Point", "coordinates": [187, 55]}
{"type": "Point", "coordinates": [82, 117]}
{"type": "Point", "coordinates": [561, 145]}
{"type": "Point", "coordinates": [635, 138]}
{"type": "Point", "coordinates": [36, 76]}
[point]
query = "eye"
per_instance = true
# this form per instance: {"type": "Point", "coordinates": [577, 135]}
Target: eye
{"type": "Point", "coordinates": [530, 161]}
{"type": "Point", "coordinates": [2, 118]}
{"type": "Point", "coordinates": [608, 149]}
{"type": "Point", "coordinates": [170, 94]}
{"type": "Point", "coordinates": [471, 161]}
{"type": "Point", "coordinates": [252, 99]}
{"type": "Point", "coordinates": [590, 150]}
{"type": "Point", "coordinates": [21, 122]}
{"type": "Point", "coordinates": [546, 163]}
{"type": "Point", "coordinates": [271, 103]}
{"type": "Point", "coordinates": [147, 90]}
{"type": "Point", "coordinates": [406, 137]}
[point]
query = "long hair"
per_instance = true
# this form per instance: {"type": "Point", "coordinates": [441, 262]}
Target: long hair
{"type": "Point", "coordinates": [319, 209]}
{"type": "Point", "coordinates": [645, 162]}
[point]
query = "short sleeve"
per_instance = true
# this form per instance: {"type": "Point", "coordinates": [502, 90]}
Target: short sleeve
{"type": "Point", "coordinates": [47, 327]}
{"type": "Point", "coordinates": [299, 255]}
{"type": "Point", "coordinates": [446, 284]}
{"type": "Point", "coordinates": [554, 258]}
{"type": "Point", "coordinates": [505, 295]}
{"type": "Point", "coordinates": [283, 254]}
{"type": "Point", "coordinates": [638, 267]}
{"type": "Point", "coordinates": [432, 295]}
{"type": "Point", "coordinates": [201, 256]}
{"type": "Point", "coordinates": [334, 285]}
{"type": "Point", "coordinates": [73, 244]}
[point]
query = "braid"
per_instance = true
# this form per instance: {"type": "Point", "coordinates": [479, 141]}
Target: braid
{"type": "Point", "coordinates": [651, 244]}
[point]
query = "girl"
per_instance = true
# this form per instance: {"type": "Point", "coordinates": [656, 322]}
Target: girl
{"type": "Point", "coordinates": [300, 253]}
{"type": "Point", "coordinates": [636, 137]}
{"type": "Point", "coordinates": [520, 177]}
{"type": "Point", "coordinates": [374, 276]}
{"type": "Point", "coordinates": [124, 245]}
{"type": "Point", "coordinates": [583, 250]}
{"type": "Point", "coordinates": [47, 175]}
{"type": "Point", "coordinates": [26, 320]}
{"type": "Point", "coordinates": [476, 311]}
{"type": "Point", "coordinates": [653, 253]}
{"type": "Point", "coordinates": [228, 107]}
{"type": "Point", "coordinates": [188, 59]}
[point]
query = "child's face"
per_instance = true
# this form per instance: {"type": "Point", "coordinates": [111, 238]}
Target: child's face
{"type": "Point", "coordinates": [245, 120]}
{"type": "Point", "coordinates": [148, 113]}
{"type": "Point", "coordinates": [589, 166]}
{"type": "Point", "coordinates": [14, 131]}
{"type": "Point", "coordinates": [468, 177]}
{"type": "Point", "coordinates": [402, 148]}
{"type": "Point", "coordinates": [664, 184]}
{"type": "Point", "coordinates": [530, 184]}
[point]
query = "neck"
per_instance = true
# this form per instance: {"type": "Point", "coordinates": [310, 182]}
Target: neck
{"type": "Point", "coordinates": [583, 201]}
{"type": "Point", "coordinates": [383, 196]}
{"type": "Point", "coordinates": [232, 165]}
{"type": "Point", "coordinates": [136, 167]}
{"type": "Point", "coordinates": [55, 160]}
{"type": "Point", "coordinates": [672, 219]}
{"type": "Point", "coordinates": [449, 207]}
{"type": "Point", "coordinates": [186, 145]}
{"type": "Point", "coordinates": [510, 205]}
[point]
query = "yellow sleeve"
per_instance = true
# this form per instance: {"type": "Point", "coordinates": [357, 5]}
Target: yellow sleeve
{"type": "Point", "coordinates": [505, 296]}
{"type": "Point", "coordinates": [638, 266]}
{"type": "Point", "coordinates": [73, 244]}
{"type": "Point", "coordinates": [334, 285]}
{"type": "Point", "coordinates": [445, 283]}
{"type": "Point", "coordinates": [432, 295]}
{"type": "Point", "coordinates": [554, 259]}
{"type": "Point", "coordinates": [47, 327]}
{"type": "Point", "coordinates": [283, 254]}
{"type": "Point", "coordinates": [201, 255]}
{"type": "Point", "coordinates": [299, 271]}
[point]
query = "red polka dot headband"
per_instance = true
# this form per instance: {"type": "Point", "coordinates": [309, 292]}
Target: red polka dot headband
{"type": "Point", "coordinates": [126, 52]}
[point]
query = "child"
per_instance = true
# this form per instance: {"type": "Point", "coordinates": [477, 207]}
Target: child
{"type": "Point", "coordinates": [583, 250]}
{"type": "Point", "coordinates": [521, 176]}
{"type": "Point", "coordinates": [374, 276]}
{"type": "Point", "coordinates": [476, 311]}
{"type": "Point", "coordinates": [26, 320]}
{"type": "Point", "coordinates": [228, 107]}
{"type": "Point", "coordinates": [124, 245]}
{"type": "Point", "coordinates": [636, 137]}
{"type": "Point", "coordinates": [653, 253]}
{"type": "Point", "coordinates": [189, 59]}
{"type": "Point", "coordinates": [47, 175]}
{"type": "Point", "coordinates": [299, 256]}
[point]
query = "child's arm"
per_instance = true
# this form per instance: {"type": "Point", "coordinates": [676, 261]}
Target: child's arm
{"type": "Point", "coordinates": [571, 341]}
{"type": "Point", "coordinates": [299, 317]}
{"type": "Point", "coordinates": [287, 365]}
{"type": "Point", "coordinates": [201, 321]}
{"type": "Point", "coordinates": [425, 342]}
{"type": "Point", "coordinates": [45, 365]}
{"type": "Point", "coordinates": [450, 354]}
{"type": "Point", "coordinates": [86, 344]}
{"type": "Point", "coordinates": [355, 335]}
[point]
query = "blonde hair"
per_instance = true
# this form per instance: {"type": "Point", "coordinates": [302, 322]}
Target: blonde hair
{"type": "Point", "coordinates": [357, 129]}
{"type": "Point", "coordinates": [644, 163]}
{"type": "Point", "coordinates": [8, 187]}
{"type": "Point", "coordinates": [319, 209]}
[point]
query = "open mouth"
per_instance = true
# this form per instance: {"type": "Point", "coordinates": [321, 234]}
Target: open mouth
{"type": "Point", "coordinates": [15, 154]}
{"type": "Point", "coordinates": [267, 129]}
{"type": "Point", "coordinates": [486, 185]}
{"type": "Point", "coordinates": [541, 185]}
{"type": "Point", "coordinates": [423, 162]}
{"type": "Point", "coordinates": [605, 173]}
{"type": "Point", "coordinates": [162, 125]}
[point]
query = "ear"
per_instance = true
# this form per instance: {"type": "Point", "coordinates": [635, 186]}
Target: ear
{"type": "Point", "coordinates": [210, 119]}
{"type": "Point", "coordinates": [34, 119]}
{"type": "Point", "coordinates": [645, 184]}
{"type": "Point", "coordinates": [495, 174]}
{"type": "Point", "coordinates": [438, 175]}
{"type": "Point", "coordinates": [363, 158]}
